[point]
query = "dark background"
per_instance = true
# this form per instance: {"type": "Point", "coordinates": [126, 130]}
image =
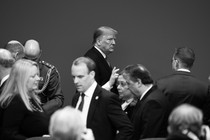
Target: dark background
{"type": "Point", "coordinates": [149, 31]}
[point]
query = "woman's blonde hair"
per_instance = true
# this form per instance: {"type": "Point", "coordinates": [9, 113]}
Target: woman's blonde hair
{"type": "Point", "coordinates": [16, 84]}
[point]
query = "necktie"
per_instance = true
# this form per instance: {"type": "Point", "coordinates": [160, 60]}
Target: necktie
{"type": "Point", "coordinates": [82, 102]}
{"type": "Point", "coordinates": [108, 62]}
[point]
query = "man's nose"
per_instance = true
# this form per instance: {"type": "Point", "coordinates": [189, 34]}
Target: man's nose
{"type": "Point", "coordinates": [75, 80]}
{"type": "Point", "coordinates": [113, 42]}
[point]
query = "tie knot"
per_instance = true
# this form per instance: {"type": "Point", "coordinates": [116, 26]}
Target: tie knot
{"type": "Point", "coordinates": [82, 94]}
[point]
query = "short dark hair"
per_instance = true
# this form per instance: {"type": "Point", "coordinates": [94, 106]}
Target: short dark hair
{"type": "Point", "coordinates": [100, 31]}
{"type": "Point", "coordinates": [185, 55]}
{"type": "Point", "coordinates": [86, 60]}
{"type": "Point", "coordinates": [138, 71]}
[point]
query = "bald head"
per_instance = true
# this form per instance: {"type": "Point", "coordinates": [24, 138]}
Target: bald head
{"type": "Point", "coordinates": [6, 58]}
{"type": "Point", "coordinates": [16, 48]}
{"type": "Point", "coordinates": [32, 49]}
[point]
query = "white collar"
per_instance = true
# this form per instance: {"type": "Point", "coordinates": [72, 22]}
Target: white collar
{"type": "Point", "coordinates": [4, 79]}
{"type": "Point", "coordinates": [129, 100]}
{"type": "Point", "coordinates": [100, 52]}
{"type": "Point", "coordinates": [150, 86]}
{"type": "Point", "coordinates": [89, 92]}
{"type": "Point", "coordinates": [182, 69]}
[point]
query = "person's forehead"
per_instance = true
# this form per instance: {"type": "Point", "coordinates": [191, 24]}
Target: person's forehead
{"type": "Point", "coordinates": [80, 67]}
{"type": "Point", "coordinates": [121, 78]}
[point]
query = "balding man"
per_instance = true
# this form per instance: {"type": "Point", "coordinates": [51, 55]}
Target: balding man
{"type": "Point", "coordinates": [6, 62]}
{"type": "Point", "coordinates": [50, 88]}
{"type": "Point", "coordinates": [16, 48]}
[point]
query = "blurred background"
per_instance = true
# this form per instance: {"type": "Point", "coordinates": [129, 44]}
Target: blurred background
{"type": "Point", "coordinates": [149, 31]}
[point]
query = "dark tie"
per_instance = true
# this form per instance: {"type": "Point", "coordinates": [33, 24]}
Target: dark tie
{"type": "Point", "coordinates": [108, 62]}
{"type": "Point", "coordinates": [82, 102]}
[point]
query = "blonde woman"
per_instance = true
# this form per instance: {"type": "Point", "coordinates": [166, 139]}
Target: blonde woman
{"type": "Point", "coordinates": [21, 115]}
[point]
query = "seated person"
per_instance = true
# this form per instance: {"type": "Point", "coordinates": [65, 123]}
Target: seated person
{"type": "Point", "coordinates": [185, 123]}
{"type": "Point", "coordinates": [22, 116]}
{"type": "Point", "coordinates": [67, 124]}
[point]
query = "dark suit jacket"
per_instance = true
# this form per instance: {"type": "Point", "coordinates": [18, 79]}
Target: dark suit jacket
{"type": "Point", "coordinates": [183, 87]}
{"type": "Point", "coordinates": [103, 70]}
{"type": "Point", "coordinates": [105, 116]}
{"type": "Point", "coordinates": [150, 115]}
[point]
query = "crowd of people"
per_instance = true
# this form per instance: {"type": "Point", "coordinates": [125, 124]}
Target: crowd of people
{"type": "Point", "coordinates": [108, 104]}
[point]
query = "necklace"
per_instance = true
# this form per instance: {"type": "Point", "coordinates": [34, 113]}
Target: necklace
{"type": "Point", "coordinates": [36, 107]}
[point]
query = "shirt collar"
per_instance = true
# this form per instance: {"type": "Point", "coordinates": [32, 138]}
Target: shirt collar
{"type": "Point", "coordinates": [150, 86]}
{"type": "Point", "coordinates": [89, 92]}
{"type": "Point", "coordinates": [182, 69]}
{"type": "Point", "coordinates": [4, 79]}
{"type": "Point", "coordinates": [100, 52]}
{"type": "Point", "coordinates": [129, 100]}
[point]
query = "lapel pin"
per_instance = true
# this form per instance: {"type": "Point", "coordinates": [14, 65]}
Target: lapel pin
{"type": "Point", "coordinates": [96, 97]}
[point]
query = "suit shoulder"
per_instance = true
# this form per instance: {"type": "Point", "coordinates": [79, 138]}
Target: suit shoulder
{"type": "Point", "coordinates": [93, 54]}
{"type": "Point", "coordinates": [165, 77]}
{"type": "Point", "coordinates": [108, 94]}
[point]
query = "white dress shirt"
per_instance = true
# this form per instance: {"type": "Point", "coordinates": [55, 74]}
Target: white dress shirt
{"type": "Point", "coordinates": [87, 99]}
{"type": "Point", "coordinates": [186, 70]}
{"type": "Point", "coordinates": [4, 79]}
{"type": "Point", "coordinates": [126, 103]}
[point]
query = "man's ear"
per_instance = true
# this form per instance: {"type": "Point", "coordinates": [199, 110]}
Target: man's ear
{"type": "Point", "coordinates": [98, 41]}
{"type": "Point", "coordinates": [139, 82]}
{"type": "Point", "coordinates": [92, 73]}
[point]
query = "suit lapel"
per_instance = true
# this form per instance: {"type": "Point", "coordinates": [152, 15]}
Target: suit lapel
{"type": "Point", "coordinates": [75, 99]}
{"type": "Point", "coordinates": [102, 59]}
{"type": "Point", "coordinates": [93, 104]}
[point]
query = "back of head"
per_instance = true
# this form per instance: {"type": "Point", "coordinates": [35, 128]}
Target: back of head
{"type": "Point", "coordinates": [185, 118]}
{"type": "Point", "coordinates": [32, 49]}
{"type": "Point", "coordinates": [16, 48]}
{"type": "Point", "coordinates": [138, 71]}
{"type": "Point", "coordinates": [66, 124]}
{"type": "Point", "coordinates": [6, 58]}
{"type": "Point", "coordinates": [186, 56]}
{"type": "Point", "coordinates": [101, 31]}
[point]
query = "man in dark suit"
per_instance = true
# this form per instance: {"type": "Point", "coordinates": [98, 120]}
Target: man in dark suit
{"type": "Point", "coordinates": [182, 87]}
{"type": "Point", "coordinates": [6, 62]}
{"type": "Point", "coordinates": [151, 112]}
{"type": "Point", "coordinates": [101, 110]}
{"type": "Point", "coordinates": [103, 45]}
